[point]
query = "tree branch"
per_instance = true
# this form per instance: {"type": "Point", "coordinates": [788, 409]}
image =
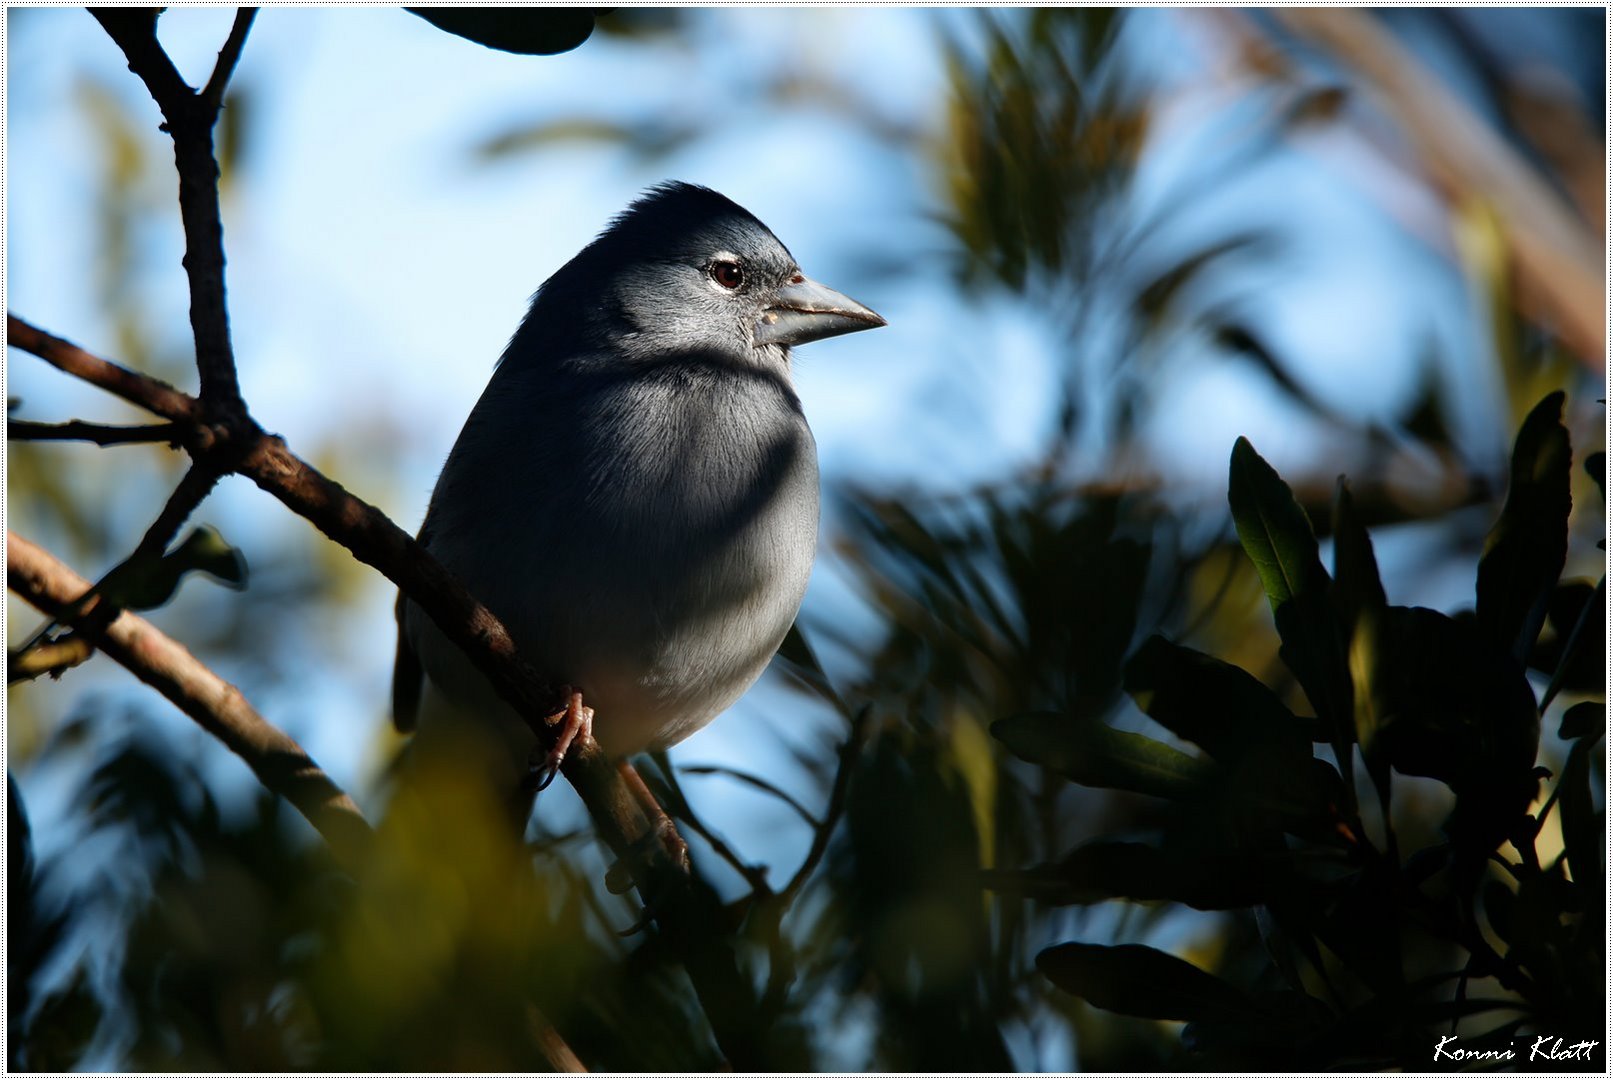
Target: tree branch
{"type": "Point", "coordinates": [190, 118]}
{"type": "Point", "coordinates": [849, 751]}
{"type": "Point", "coordinates": [280, 764]}
{"type": "Point", "coordinates": [83, 431]}
{"type": "Point", "coordinates": [47, 658]}
{"type": "Point", "coordinates": [228, 57]}
{"type": "Point", "coordinates": [150, 394]}
{"type": "Point", "coordinates": [227, 439]}
{"type": "Point", "coordinates": [193, 487]}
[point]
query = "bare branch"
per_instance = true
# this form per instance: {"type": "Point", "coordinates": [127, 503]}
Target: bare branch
{"type": "Point", "coordinates": [47, 658]}
{"type": "Point", "coordinates": [280, 763]}
{"type": "Point", "coordinates": [150, 394]}
{"type": "Point", "coordinates": [135, 31]}
{"type": "Point", "coordinates": [190, 118]}
{"type": "Point", "coordinates": [850, 750]}
{"type": "Point", "coordinates": [756, 782]}
{"type": "Point", "coordinates": [228, 56]}
{"type": "Point", "coordinates": [197, 482]}
{"type": "Point", "coordinates": [556, 1054]}
{"type": "Point", "coordinates": [100, 434]}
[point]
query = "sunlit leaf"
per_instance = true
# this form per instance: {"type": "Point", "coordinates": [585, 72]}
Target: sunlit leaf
{"type": "Point", "coordinates": [1359, 599]}
{"type": "Point", "coordinates": [1277, 536]}
{"type": "Point", "coordinates": [1100, 756]}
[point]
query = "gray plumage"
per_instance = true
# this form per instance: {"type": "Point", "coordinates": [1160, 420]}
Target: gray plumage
{"type": "Point", "coordinates": [636, 493]}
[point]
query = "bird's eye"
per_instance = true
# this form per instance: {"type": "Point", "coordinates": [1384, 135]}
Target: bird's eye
{"type": "Point", "coordinates": [730, 275]}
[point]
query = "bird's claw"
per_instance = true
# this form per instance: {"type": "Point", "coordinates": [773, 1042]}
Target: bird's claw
{"type": "Point", "coordinates": [576, 721]}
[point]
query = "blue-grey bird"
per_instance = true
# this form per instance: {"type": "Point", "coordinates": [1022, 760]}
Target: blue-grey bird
{"type": "Point", "coordinates": [636, 493]}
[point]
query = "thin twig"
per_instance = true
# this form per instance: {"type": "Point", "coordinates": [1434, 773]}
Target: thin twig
{"type": "Point", "coordinates": [194, 486]}
{"type": "Point", "coordinates": [678, 805]}
{"type": "Point", "coordinates": [84, 431]}
{"type": "Point", "coordinates": [279, 762]}
{"type": "Point", "coordinates": [47, 658]}
{"type": "Point", "coordinates": [228, 57]}
{"type": "Point", "coordinates": [556, 1054]}
{"type": "Point", "coordinates": [150, 394]}
{"type": "Point", "coordinates": [756, 782]}
{"type": "Point", "coordinates": [190, 119]}
{"type": "Point", "coordinates": [850, 750]}
{"type": "Point", "coordinates": [1571, 646]}
{"type": "Point", "coordinates": [135, 31]}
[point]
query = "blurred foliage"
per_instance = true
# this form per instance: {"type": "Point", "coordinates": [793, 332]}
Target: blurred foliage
{"type": "Point", "coordinates": [530, 31]}
{"type": "Point", "coordinates": [1096, 772]}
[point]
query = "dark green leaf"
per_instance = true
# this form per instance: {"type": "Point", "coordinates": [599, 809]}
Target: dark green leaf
{"type": "Point", "coordinates": [1450, 705]}
{"type": "Point", "coordinates": [1096, 755]}
{"type": "Point", "coordinates": [1596, 467]}
{"type": "Point", "coordinates": [1500, 904]}
{"type": "Point", "coordinates": [1105, 870]}
{"type": "Point", "coordinates": [1359, 599]}
{"type": "Point", "coordinates": [1525, 551]}
{"type": "Point", "coordinates": [651, 140]}
{"type": "Point", "coordinates": [1356, 586]}
{"type": "Point", "coordinates": [1575, 652]}
{"type": "Point", "coordinates": [525, 30]}
{"type": "Point", "coordinates": [140, 585]}
{"type": "Point", "coordinates": [1206, 701]}
{"type": "Point", "coordinates": [1588, 718]}
{"type": "Point", "coordinates": [1137, 980]}
{"type": "Point", "coordinates": [1583, 827]}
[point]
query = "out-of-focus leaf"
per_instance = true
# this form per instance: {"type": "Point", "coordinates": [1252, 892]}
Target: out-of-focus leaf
{"type": "Point", "coordinates": [1157, 296]}
{"type": "Point", "coordinates": [1318, 105]}
{"type": "Point", "coordinates": [140, 585]}
{"type": "Point", "coordinates": [1211, 880]}
{"type": "Point", "coordinates": [1596, 468]}
{"type": "Point", "coordinates": [1525, 551]}
{"type": "Point", "coordinates": [1359, 599]}
{"type": "Point", "coordinates": [1238, 337]}
{"type": "Point", "coordinates": [1587, 719]}
{"type": "Point", "coordinates": [1138, 980]}
{"type": "Point", "coordinates": [1584, 828]}
{"type": "Point", "coordinates": [1097, 755]}
{"type": "Point", "coordinates": [1209, 702]}
{"type": "Point", "coordinates": [526, 30]}
{"type": "Point", "coordinates": [1576, 651]}
{"type": "Point", "coordinates": [1041, 139]}
{"type": "Point", "coordinates": [1356, 585]}
{"type": "Point", "coordinates": [1277, 536]}
{"type": "Point", "coordinates": [650, 140]}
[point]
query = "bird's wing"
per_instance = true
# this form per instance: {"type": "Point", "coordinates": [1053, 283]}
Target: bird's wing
{"type": "Point", "coordinates": [408, 677]}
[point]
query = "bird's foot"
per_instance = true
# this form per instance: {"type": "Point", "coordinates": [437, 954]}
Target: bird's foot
{"type": "Point", "coordinates": [575, 721]}
{"type": "Point", "coordinates": [663, 833]}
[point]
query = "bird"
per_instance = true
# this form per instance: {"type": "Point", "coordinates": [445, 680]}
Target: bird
{"type": "Point", "coordinates": [635, 494]}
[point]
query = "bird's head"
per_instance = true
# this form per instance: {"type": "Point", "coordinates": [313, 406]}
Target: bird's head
{"type": "Point", "coordinates": [686, 271]}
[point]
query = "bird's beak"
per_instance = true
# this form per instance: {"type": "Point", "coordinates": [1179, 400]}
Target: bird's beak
{"type": "Point", "coordinates": [805, 311]}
